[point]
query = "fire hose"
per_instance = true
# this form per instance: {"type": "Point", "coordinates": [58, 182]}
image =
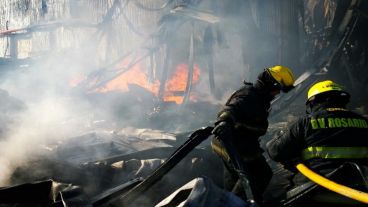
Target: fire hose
{"type": "Point", "coordinates": [333, 186]}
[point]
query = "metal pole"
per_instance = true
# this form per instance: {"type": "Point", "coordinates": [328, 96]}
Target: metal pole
{"type": "Point", "coordinates": [190, 68]}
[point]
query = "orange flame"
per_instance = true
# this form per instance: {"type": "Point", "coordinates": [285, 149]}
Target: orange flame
{"type": "Point", "coordinates": [174, 88]}
{"type": "Point", "coordinates": [133, 76]}
{"type": "Point", "coordinates": [176, 85]}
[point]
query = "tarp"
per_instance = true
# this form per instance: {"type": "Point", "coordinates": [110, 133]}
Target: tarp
{"type": "Point", "coordinates": [202, 192]}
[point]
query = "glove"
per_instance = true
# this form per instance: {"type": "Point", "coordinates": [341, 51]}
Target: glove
{"type": "Point", "coordinates": [223, 129]}
{"type": "Point", "coordinates": [290, 165]}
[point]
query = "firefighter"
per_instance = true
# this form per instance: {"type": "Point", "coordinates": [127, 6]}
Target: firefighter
{"type": "Point", "coordinates": [243, 120]}
{"type": "Point", "coordinates": [326, 137]}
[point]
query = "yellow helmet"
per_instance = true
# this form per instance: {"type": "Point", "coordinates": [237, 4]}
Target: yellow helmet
{"type": "Point", "coordinates": [283, 76]}
{"type": "Point", "coordinates": [323, 87]}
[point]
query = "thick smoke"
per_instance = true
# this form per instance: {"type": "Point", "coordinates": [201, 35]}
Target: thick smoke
{"type": "Point", "coordinates": [55, 110]}
{"type": "Point", "coordinates": [52, 110]}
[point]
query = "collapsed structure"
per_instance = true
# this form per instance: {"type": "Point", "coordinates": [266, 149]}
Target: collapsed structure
{"type": "Point", "coordinates": [159, 65]}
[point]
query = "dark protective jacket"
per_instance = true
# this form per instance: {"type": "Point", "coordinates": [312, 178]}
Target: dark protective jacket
{"type": "Point", "coordinates": [247, 109]}
{"type": "Point", "coordinates": [323, 140]}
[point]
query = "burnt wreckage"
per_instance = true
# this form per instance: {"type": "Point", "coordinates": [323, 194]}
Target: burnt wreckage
{"type": "Point", "coordinates": [141, 165]}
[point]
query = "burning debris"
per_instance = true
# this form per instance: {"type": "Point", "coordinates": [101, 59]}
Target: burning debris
{"type": "Point", "coordinates": [96, 96]}
{"type": "Point", "coordinates": [119, 158]}
{"type": "Point", "coordinates": [174, 89]}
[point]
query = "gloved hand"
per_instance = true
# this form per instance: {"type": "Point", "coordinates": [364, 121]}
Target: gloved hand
{"type": "Point", "coordinates": [223, 129]}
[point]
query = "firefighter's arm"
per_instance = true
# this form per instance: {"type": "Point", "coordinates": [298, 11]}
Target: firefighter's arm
{"type": "Point", "coordinates": [256, 129]}
{"type": "Point", "coordinates": [286, 147]}
{"type": "Point", "coordinates": [224, 124]}
{"type": "Point", "coordinates": [227, 118]}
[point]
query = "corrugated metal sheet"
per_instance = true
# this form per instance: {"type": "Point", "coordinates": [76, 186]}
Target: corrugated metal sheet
{"type": "Point", "coordinates": [128, 27]}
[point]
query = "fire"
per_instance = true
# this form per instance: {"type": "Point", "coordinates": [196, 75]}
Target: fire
{"type": "Point", "coordinates": [176, 85]}
{"type": "Point", "coordinates": [133, 76]}
{"type": "Point", "coordinates": [174, 88]}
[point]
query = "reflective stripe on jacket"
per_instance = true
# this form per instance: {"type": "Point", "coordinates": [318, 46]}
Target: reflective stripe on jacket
{"type": "Point", "coordinates": [335, 153]}
{"type": "Point", "coordinates": [325, 133]}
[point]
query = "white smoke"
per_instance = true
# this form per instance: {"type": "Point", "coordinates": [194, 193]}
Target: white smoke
{"type": "Point", "coordinates": [55, 111]}
{"type": "Point", "coordinates": [48, 117]}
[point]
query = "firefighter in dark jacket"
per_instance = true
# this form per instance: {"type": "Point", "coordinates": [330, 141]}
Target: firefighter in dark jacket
{"type": "Point", "coordinates": [328, 136]}
{"type": "Point", "coordinates": [243, 120]}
